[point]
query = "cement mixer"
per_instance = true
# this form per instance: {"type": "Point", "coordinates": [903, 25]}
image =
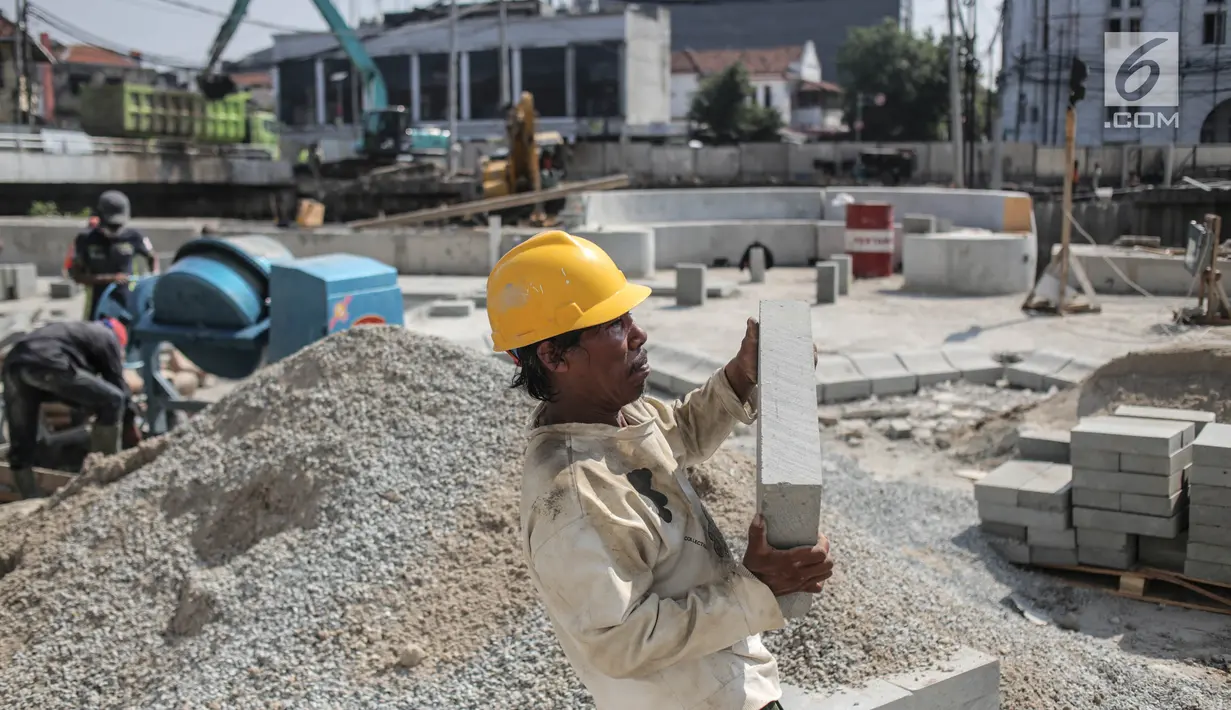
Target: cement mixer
{"type": "Point", "coordinates": [231, 305]}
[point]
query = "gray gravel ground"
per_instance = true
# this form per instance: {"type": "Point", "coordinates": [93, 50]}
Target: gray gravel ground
{"type": "Point", "coordinates": [246, 567]}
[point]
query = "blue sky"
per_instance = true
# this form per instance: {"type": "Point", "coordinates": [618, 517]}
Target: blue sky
{"type": "Point", "coordinates": [165, 28]}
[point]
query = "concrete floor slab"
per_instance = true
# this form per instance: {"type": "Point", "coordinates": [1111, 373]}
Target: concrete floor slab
{"type": "Point", "coordinates": [1072, 374]}
{"type": "Point", "coordinates": [886, 373]}
{"type": "Point", "coordinates": [1043, 445]}
{"type": "Point", "coordinates": [838, 380]}
{"type": "Point", "coordinates": [1031, 371]}
{"type": "Point", "coordinates": [929, 366]}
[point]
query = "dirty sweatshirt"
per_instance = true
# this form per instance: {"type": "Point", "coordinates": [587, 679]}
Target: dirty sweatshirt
{"type": "Point", "coordinates": [649, 605]}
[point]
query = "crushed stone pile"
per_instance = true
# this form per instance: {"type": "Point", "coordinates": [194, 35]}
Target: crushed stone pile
{"type": "Point", "coordinates": [1193, 375]}
{"type": "Point", "coordinates": [253, 559]}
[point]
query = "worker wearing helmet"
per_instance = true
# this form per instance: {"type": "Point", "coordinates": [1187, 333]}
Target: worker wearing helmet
{"type": "Point", "coordinates": [106, 252]}
{"type": "Point", "coordinates": [75, 362]}
{"type": "Point", "coordinates": [645, 597]}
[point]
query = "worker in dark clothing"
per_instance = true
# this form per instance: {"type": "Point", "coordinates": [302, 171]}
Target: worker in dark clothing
{"type": "Point", "coordinates": [106, 254]}
{"type": "Point", "coordinates": [74, 362]}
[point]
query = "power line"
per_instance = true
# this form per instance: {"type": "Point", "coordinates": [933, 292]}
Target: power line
{"type": "Point", "coordinates": [183, 4]}
{"type": "Point", "coordinates": [88, 38]}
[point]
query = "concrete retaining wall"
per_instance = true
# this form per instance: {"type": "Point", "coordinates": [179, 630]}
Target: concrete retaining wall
{"type": "Point", "coordinates": [1157, 274]}
{"type": "Point", "coordinates": [632, 249]}
{"type": "Point", "coordinates": [969, 263]}
{"type": "Point", "coordinates": [453, 251]}
{"type": "Point", "coordinates": [112, 169]}
{"type": "Point", "coordinates": [622, 207]}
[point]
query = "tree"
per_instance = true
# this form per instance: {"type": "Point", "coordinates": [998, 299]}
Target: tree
{"type": "Point", "coordinates": [912, 73]}
{"type": "Point", "coordinates": [723, 110]}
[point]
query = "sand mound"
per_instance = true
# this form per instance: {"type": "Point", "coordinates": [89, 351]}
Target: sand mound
{"type": "Point", "coordinates": [1190, 376]}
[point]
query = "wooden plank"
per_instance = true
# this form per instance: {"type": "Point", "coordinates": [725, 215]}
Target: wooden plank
{"type": "Point", "coordinates": [1151, 585]}
{"type": "Point", "coordinates": [48, 480]}
{"type": "Point", "coordinates": [494, 204]}
{"type": "Point", "coordinates": [788, 436]}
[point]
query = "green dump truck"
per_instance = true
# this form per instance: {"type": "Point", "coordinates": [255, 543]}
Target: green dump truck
{"type": "Point", "coordinates": [146, 112]}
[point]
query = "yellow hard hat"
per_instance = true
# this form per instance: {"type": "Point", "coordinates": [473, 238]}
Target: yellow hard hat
{"type": "Point", "coordinates": [554, 283]}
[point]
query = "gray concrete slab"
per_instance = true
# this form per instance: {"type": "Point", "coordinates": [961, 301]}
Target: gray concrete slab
{"type": "Point", "coordinates": [885, 372]}
{"type": "Point", "coordinates": [789, 481]}
{"type": "Point", "coordinates": [713, 289]}
{"type": "Point", "coordinates": [450, 309]}
{"type": "Point", "coordinates": [1029, 373]}
{"type": "Point", "coordinates": [1152, 437]}
{"type": "Point", "coordinates": [1138, 483]}
{"type": "Point", "coordinates": [1029, 517]}
{"type": "Point", "coordinates": [1157, 465]}
{"type": "Point", "coordinates": [838, 380]}
{"type": "Point", "coordinates": [1003, 485]}
{"type": "Point", "coordinates": [1056, 539]}
{"type": "Point", "coordinates": [1043, 445]}
{"type": "Point", "coordinates": [1093, 458]}
{"type": "Point", "coordinates": [1208, 571]}
{"type": "Point", "coordinates": [1198, 418]}
{"type": "Point", "coordinates": [1208, 534]}
{"type": "Point", "coordinates": [1090, 498]}
{"type": "Point", "coordinates": [960, 679]}
{"type": "Point", "coordinates": [1209, 475]}
{"type": "Point", "coordinates": [690, 285]}
{"type": "Point", "coordinates": [843, 262]}
{"type": "Point", "coordinates": [1110, 559]}
{"type": "Point", "coordinates": [1050, 490]}
{"type": "Point", "coordinates": [827, 282]}
{"type": "Point", "coordinates": [929, 366]}
{"type": "Point", "coordinates": [1212, 515]}
{"type": "Point", "coordinates": [1213, 446]}
{"type": "Point", "coordinates": [1128, 522]}
{"type": "Point", "coordinates": [1105, 539]}
{"type": "Point", "coordinates": [1015, 551]}
{"type": "Point", "coordinates": [1158, 506]}
{"type": "Point", "coordinates": [1209, 495]}
{"type": "Point", "coordinates": [976, 365]}
{"type": "Point", "coordinates": [1004, 530]}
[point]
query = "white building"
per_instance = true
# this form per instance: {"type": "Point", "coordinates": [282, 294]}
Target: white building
{"type": "Point", "coordinates": [785, 78]}
{"type": "Point", "coordinates": [1036, 90]}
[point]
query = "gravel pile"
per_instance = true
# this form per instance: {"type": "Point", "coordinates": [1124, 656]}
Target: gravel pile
{"type": "Point", "coordinates": [312, 539]}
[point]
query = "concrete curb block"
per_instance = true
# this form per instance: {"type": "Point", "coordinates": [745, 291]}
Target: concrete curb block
{"type": "Point", "coordinates": [848, 377]}
{"type": "Point", "coordinates": [969, 680]}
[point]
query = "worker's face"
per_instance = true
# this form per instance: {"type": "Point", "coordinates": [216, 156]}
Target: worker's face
{"type": "Point", "coordinates": [609, 365]}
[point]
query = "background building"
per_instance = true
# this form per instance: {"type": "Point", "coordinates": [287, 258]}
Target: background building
{"type": "Point", "coordinates": [589, 73]}
{"type": "Point", "coordinates": [1036, 88]}
{"type": "Point", "coordinates": [13, 106]}
{"type": "Point", "coordinates": [787, 78]}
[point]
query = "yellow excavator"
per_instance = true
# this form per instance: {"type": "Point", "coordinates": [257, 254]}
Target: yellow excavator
{"type": "Point", "coordinates": [528, 161]}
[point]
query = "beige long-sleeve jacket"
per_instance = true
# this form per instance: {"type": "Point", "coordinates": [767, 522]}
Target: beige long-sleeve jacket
{"type": "Point", "coordinates": [649, 606]}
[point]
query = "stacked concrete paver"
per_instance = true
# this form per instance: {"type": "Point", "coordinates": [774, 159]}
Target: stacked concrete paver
{"type": "Point", "coordinates": [1128, 481]}
{"type": "Point", "coordinates": [1027, 505]}
{"type": "Point", "coordinates": [1209, 535]}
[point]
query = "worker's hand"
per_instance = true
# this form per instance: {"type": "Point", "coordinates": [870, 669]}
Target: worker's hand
{"type": "Point", "coordinates": [742, 369]}
{"type": "Point", "coordinates": [799, 569]}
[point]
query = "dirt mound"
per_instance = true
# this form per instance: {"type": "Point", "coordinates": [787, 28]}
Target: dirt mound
{"type": "Point", "coordinates": [1191, 376]}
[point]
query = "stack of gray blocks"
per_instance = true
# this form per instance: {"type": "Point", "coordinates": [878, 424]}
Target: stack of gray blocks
{"type": "Point", "coordinates": [1027, 506]}
{"type": "Point", "coordinates": [690, 284]}
{"type": "Point", "coordinates": [756, 265]}
{"type": "Point", "coordinates": [18, 281]}
{"type": "Point", "coordinates": [1129, 474]}
{"type": "Point", "coordinates": [1209, 494]}
{"type": "Point", "coordinates": [843, 378]}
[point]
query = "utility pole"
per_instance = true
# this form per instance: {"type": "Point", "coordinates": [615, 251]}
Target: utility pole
{"type": "Point", "coordinates": [997, 109]}
{"type": "Point", "coordinates": [28, 61]}
{"type": "Point", "coordinates": [452, 94]}
{"type": "Point", "coordinates": [1042, 137]}
{"type": "Point", "coordinates": [505, 90]}
{"type": "Point", "coordinates": [955, 98]}
{"type": "Point", "coordinates": [20, 56]}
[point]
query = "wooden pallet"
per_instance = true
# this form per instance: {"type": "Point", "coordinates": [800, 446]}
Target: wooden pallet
{"type": "Point", "coordinates": [1150, 585]}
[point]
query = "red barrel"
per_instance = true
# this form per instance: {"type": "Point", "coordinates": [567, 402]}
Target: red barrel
{"type": "Point", "coordinates": [869, 239]}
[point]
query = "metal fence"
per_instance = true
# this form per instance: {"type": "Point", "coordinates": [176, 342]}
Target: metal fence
{"type": "Point", "coordinates": [75, 143]}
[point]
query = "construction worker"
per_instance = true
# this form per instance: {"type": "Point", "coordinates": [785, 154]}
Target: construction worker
{"type": "Point", "coordinates": [75, 362]}
{"type": "Point", "coordinates": [106, 253]}
{"type": "Point", "coordinates": [645, 597]}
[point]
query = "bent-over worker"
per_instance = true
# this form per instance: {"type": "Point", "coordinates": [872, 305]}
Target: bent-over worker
{"type": "Point", "coordinates": [645, 597]}
{"type": "Point", "coordinates": [106, 253]}
{"type": "Point", "coordinates": [75, 362]}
